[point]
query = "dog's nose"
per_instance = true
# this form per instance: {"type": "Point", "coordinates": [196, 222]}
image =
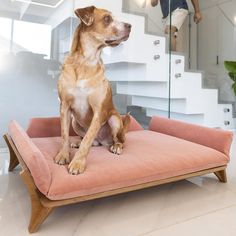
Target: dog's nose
{"type": "Point", "coordinates": [128, 26]}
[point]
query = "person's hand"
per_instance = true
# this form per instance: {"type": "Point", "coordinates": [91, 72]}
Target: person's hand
{"type": "Point", "coordinates": [197, 17]}
{"type": "Point", "coordinates": [154, 2]}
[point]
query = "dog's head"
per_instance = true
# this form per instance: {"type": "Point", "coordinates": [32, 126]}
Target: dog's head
{"type": "Point", "coordinates": [102, 25]}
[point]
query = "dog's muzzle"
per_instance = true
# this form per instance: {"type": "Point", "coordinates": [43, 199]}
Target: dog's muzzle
{"type": "Point", "coordinates": [116, 42]}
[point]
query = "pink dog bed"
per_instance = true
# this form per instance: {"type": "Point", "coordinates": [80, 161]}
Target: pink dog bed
{"type": "Point", "coordinates": [170, 150]}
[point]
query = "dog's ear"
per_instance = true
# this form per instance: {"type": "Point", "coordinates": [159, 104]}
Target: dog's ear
{"type": "Point", "coordinates": [86, 15]}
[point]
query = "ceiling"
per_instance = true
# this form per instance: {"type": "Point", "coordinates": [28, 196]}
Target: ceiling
{"type": "Point", "coordinates": [211, 3]}
{"type": "Point", "coordinates": [227, 7]}
{"type": "Point", "coordinates": [40, 14]}
{"type": "Point", "coordinates": [229, 10]}
{"type": "Point", "coordinates": [49, 2]}
{"type": "Point", "coordinates": [18, 9]}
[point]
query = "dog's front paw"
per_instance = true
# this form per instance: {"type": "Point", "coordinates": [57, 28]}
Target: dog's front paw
{"type": "Point", "coordinates": [75, 145]}
{"type": "Point", "coordinates": [116, 148]}
{"type": "Point", "coordinates": [62, 158]}
{"type": "Point", "coordinates": [77, 166]}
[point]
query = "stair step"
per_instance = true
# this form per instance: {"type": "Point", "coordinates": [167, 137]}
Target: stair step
{"type": "Point", "coordinates": [177, 105]}
{"type": "Point", "coordinates": [122, 71]}
{"type": "Point", "coordinates": [158, 89]}
{"type": "Point", "coordinates": [150, 89]}
{"type": "Point", "coordinates": [193, 118]}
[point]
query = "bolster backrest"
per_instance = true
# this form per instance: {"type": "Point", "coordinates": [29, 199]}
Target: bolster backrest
{"type": "Point", "coordinates": [51, 127]}
{"type": "Point", "coordinates": [217, 139]}
{"type": "Point", "coordinates": [33, 158]}
{"type": "Point", "coordinates": [134, 125]}
{"type": "Point", "coordinates": [46, 127]}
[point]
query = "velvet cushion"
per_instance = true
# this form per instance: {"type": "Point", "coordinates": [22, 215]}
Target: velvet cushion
{"type": "Point", "coordinates": [147, 156]}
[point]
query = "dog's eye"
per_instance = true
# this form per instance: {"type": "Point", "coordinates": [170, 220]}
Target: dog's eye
{"type": "Point", "coordinates": [107, 19]}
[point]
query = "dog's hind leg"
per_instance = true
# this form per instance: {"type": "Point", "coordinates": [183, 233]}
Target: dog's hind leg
{"type": "Point", "coordinates": [118, 130]}
{"type": "Point", "coordinates": [81, 133]}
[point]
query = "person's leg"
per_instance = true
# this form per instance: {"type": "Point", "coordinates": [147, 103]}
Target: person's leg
{"type": "Point", "coordinates": [178, 17]}
{"type": "Point", "coordinates": [173, 37]}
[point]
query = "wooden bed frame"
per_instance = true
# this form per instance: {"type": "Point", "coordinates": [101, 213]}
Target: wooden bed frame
{"type": "Point", "coordinates": [41, 206]}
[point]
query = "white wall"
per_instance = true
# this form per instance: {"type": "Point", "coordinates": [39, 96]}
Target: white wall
{"type": "Point", "coordinates": [28, 81]}
{"type": "Point", "coordinates": [216, 37]}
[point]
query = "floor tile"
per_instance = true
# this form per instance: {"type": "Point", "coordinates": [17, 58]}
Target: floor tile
{"type": "Point", "coordinates": [217, 223]}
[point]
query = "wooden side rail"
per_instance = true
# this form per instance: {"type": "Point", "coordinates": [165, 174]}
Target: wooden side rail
{"type": "Point", "coordinates": [12, 150]}
{"type": "Point", "coordinates": [41, 206]}
{"type": "Point", "coordinates": [38, 212]}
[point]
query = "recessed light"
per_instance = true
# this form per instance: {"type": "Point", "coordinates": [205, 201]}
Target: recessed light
{"type": "Point", "coordinates": [38, 3]}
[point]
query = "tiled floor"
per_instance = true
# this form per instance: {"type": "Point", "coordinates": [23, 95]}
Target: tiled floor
{"type": "Point", "coordinates": [200, 206]}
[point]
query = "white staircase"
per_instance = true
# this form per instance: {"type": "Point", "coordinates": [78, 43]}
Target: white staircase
{"type": "Point", "coordinates": [140, 68]}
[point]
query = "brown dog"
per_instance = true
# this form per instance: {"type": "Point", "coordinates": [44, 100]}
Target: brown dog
{"type": "Point", "coordinates": [85, 93]}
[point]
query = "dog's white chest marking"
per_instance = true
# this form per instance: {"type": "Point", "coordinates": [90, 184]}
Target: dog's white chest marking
{"type": "Point", "coordinates": [80, 93]}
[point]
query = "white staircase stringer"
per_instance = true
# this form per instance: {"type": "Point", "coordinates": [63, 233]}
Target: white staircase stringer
{"type": "Point", "coordinates": [203, 100]}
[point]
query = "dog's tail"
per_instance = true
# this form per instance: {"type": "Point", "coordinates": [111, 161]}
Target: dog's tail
{"type": "Point", "coordinates": [126, 122]}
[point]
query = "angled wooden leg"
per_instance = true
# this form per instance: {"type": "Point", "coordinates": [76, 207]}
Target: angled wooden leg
{"type": "Point", "coordinates": [13, 162]}
{"type": "Point", "coordinates": [13, 158]}
{"type": "Point", "coordinates": [221, 175]}
{"type": "Point", "coordinates": [38, 212]}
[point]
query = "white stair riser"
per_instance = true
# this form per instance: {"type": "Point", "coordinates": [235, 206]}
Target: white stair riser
{"type": "Point", "coordinates": [203, 101]}
{"type": "Point", "coordinates": [155, 89]}
{"type": "Point", "coordinates": [226, 116]}
{"type": "Point", "coordinates": [125, 72]}
{"type": "Point", "coordinates": [150, 89]}
{"type": "Point", "coordinates": [132, 51]}
{"type": "Point", "coordinates": [186, 84]}
{"type": "Point", "coordinates": [177, 63]}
